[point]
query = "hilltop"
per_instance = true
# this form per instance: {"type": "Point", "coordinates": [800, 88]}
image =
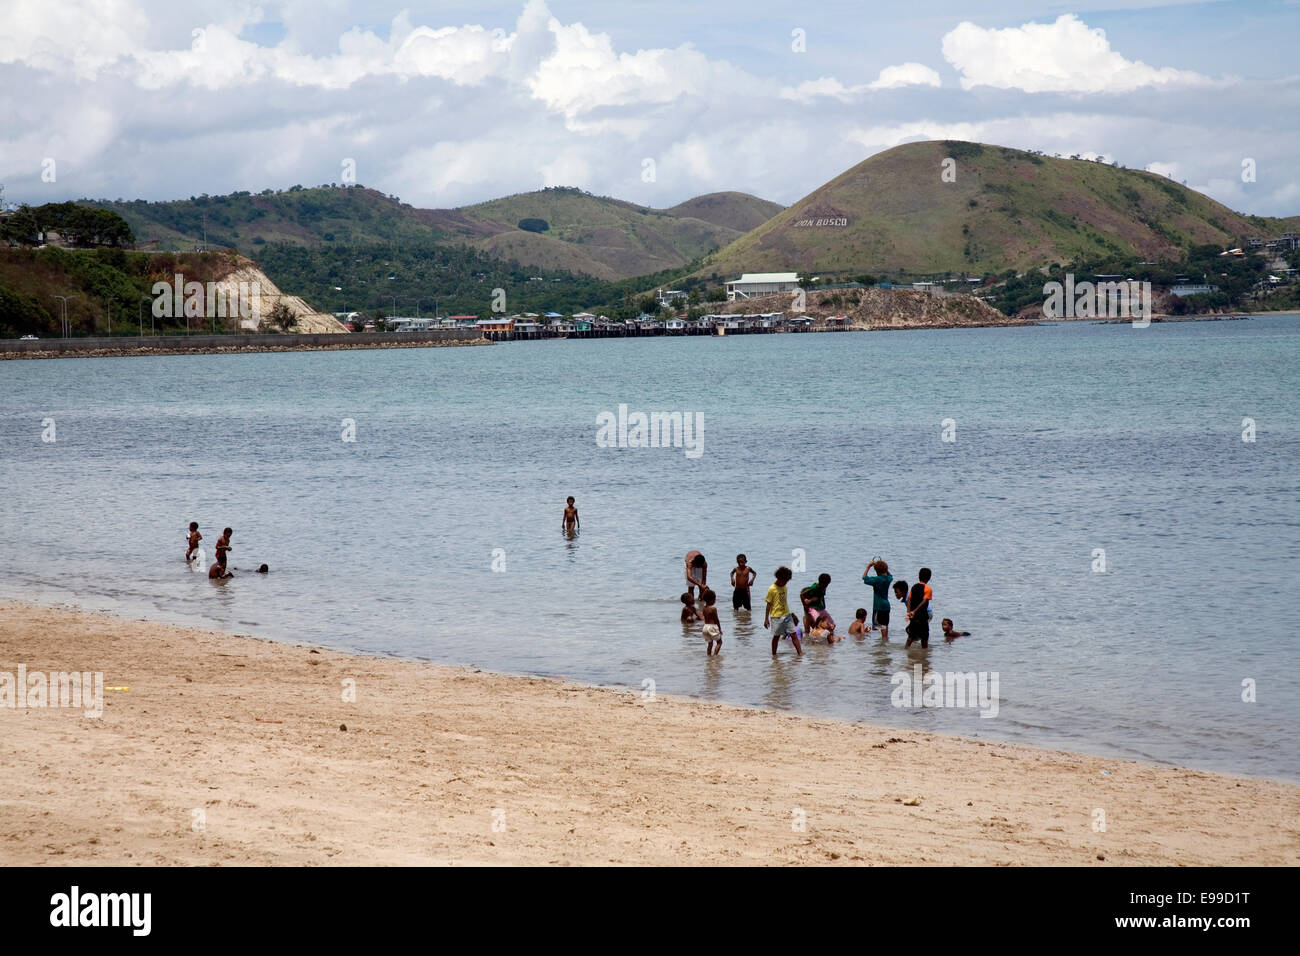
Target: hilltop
{"type": "Point", "coordinates": [557, 229]}
{"type": "Point", "coordinates": [1004, 209]}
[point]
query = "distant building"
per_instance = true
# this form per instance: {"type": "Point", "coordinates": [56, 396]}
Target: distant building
{"type": "Point", "coordinates": [667, 297]}
{"type": "Point", "coordinates": [1197, 289]}
{"type": "Point", "coordinates": [400, 324]}
{"type": "Point", "coordinates": [753, 284]}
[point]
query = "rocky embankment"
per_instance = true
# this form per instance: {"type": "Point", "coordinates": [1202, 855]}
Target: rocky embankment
{"type": "Point", "coordinates": [884, 309]}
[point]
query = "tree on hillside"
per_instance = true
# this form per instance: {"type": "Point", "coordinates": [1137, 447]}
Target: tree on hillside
{"type": "Point", "coordinates": [21, 227]}
{"type": "Point", "coordinates": [283, 317]}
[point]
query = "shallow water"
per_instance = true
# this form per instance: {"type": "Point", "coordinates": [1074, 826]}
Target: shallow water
{"type": "Point", "coordinates": [1069, 438]}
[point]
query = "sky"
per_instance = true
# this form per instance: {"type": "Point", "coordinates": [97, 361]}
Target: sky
{"type": "Point", "coordinates": [447, 104]}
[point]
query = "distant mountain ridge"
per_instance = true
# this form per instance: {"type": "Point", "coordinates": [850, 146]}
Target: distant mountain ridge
{"type": "Point", "coordinates": [934, 207]}
{"type": "Point", "coordinates": [571, 230]}
{"type": "Point", "coordinates": [949, 206]}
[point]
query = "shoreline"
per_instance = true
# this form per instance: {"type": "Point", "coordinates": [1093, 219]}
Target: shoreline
{"type": "Point", "coordinates": [230, 344]}
{"type": "Point", "coordinates": [70, 348]}
{"type": "Point", "coordinates": [229, 750]}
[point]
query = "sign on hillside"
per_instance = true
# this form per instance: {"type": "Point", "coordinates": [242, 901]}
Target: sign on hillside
{"type": "Point", "coordinates": [820, 217]}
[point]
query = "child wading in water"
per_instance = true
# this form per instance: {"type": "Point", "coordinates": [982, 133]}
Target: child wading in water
{"type": "Point", "coordinates": [218, 569]}
{"type": "Point", "coordinates": [900, 592]}
{"type": "Point", "coordinates": [570, 520]}
{"type": "Point", "coordinates": [777, 614]}
{"type": "Point", "coordinates": [859, 626]}
{"type": "Point", "coordinates": [712, 626]}
{"type": "Point", "coordinates": [689, 616]}
{"type": "Point", "coordinates": [193, 540]}
{"type": "Point", "coordinates": [742, 576]}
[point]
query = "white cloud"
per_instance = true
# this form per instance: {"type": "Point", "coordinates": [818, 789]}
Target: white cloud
{"type": "Point", "coordinates": [1168, 170]}
{"type": "Point", "coordinates": [890, 78]}
{"type": "Point", "coordinates": [826, 86]}
{"type": "Point", "coordinates": [1067, 56]}
{"type": "Point", "coordinates": [905, 74]}
{"type": "Point", "coordinates": [60, 36]}
{"type": "Point", "coordinates": [443, 114]}
{"type": "Point", "coordinates": [584, 73]}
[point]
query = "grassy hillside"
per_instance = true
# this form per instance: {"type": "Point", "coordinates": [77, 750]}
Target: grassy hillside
{"type": "Point", "coordinates": [596, 235]}
{"type": "Point", "coordinates": [298, 216]}
{"type": "Point", "coordinates": [739, 211]}
{"type": "Point", "coordinates": [1004, 209]}
{"type": "Point", "coordinates": [573, 231]}
{"type": "Point", "coordinates": [107, 288]}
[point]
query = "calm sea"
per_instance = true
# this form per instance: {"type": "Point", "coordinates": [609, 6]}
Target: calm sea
{"type": "Point", "coordinates": [435, 535]}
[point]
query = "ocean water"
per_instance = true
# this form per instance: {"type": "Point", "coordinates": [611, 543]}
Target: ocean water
{"type": "Point", "coordinates": [435, 535]}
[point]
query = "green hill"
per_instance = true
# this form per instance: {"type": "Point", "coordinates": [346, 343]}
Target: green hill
{"type": "Point", "coordinates": [1004, 209]}
{"type": "Point", "coordinates": [564, 229]}
{"type": "Point", "coordinates": [107, 290]}
{"type": "Point", "coordinates": [739, 211]}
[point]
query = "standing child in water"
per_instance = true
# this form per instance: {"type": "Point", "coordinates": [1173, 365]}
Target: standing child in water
{"type": "Point", "coordinates": [918, 605]}
{"type": "Point", "coordinates": [777, 614]}
{"type": "Point", "coordinates": [742, 576]}
{"type": "Point", "coordinates": [900, 592]}
{"type": "Point", "coordinates": [712, 625]}
{"type": "Point", "coordinates": [223, 547]}
{"type": "Point", "coordinates": [570, 520]}
{"type": "Point", "coordinates": [879, 584]}
{"type": "Point", "coordinates": [193, 539]}
{"type": "Point", "coordinates": [924, 577]}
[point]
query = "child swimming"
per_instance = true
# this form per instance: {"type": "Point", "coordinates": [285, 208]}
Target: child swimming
{"type": "Point", "coordinates": [948, 633]}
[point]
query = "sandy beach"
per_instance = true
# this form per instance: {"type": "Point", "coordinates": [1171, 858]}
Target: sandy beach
{"type": "Point", "coordinates": [231, 750]}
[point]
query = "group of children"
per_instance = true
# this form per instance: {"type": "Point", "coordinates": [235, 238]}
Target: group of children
{"type": "Point", "coordinates": [817, 624]}
{"type": "Point", "coordinates": [218, 570]}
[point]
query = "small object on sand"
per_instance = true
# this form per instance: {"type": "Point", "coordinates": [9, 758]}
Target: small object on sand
{"type": "Point", "coordinates": [117, 688]}
{"type": "Point", "coordinates": [313, 651]}
{"type": "Point", "coordinates": [343, 726]}
{"type": "Point", "coordinates": [1101, 856]}
{"type": "Point", "coordinates": [1105, 773]}
{"type": "Point", "coordinates": [912, 802]}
